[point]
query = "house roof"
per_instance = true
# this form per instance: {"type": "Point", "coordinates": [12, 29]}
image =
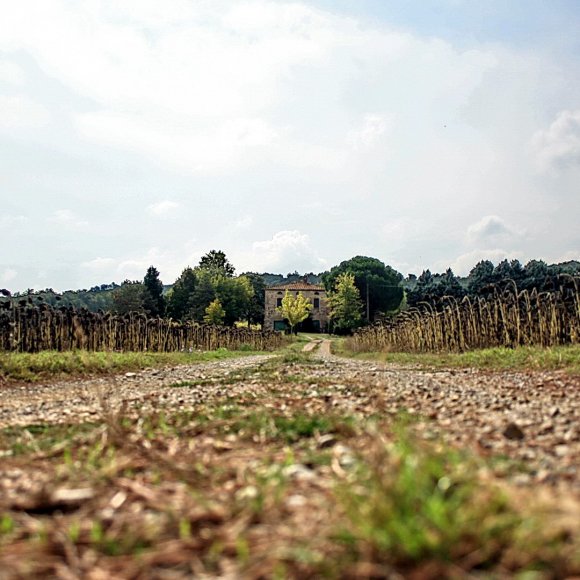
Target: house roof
{"type": "Point", "coordinates": [297, 286]}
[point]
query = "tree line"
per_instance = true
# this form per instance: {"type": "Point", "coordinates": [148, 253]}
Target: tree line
{"type": "Point", "coordinates": [360, 290]}
{"type": "Point", "coordinates": [208, 293]}
{"type": "Point", "coordinates": [486, 280]}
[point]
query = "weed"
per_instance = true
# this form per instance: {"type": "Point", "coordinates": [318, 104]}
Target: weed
{"type": "Point", "coordinates": [6, 525]}
{"type": "Point", "coordinates": [406, 502]}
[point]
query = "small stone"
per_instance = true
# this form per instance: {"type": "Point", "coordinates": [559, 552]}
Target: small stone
{"type": "Point", "coordinates": [295, 501]}
{"type": "Point", "coordinates": [249, 492]}
{"type": "Point", "coordinates": [72, 496]}
{"type": "Point", "coordinates": [130, 375]}
{"type": "Point", "coordinates": [543, 475]}
{"type": "Point", "coordinates": [298, 472]}
{"type": "Point", "coordinates": [326, 441]}
{"type": "Point", "coordinates": [513, 432]}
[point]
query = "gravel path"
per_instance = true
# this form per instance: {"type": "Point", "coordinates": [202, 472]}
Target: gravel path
{"type": "Point", "coordinates": [526, 419]}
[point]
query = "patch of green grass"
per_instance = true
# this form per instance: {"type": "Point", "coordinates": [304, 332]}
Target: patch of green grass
{"type": "Point", "coordinates": [50, 364]}
{"type": "Point", "coordinates": [6, 525]}
{"type": "Point", "coordinates": [521, 358]}
{"type": "Point", "coordinates": [119, 542]}
{"type": "Point", "coordinates": [406, 503]}
{"type": "Point", "coordinates": [247, 424]}
{"type": "Point", "coordinates": [36, 438]}
{"type": "Point", "coordinates": [281, 428]}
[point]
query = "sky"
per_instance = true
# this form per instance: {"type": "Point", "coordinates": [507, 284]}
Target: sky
{"type": "Point", "coordinates": [291, 135]}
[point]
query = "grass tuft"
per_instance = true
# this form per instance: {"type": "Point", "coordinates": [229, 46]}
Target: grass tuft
{"type": "Point", "coordinates": [406, 502]}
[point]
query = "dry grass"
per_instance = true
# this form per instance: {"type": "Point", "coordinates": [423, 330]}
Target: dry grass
{"type": "Point", "coordinates": [29, 327]}
{"type": "Point", "coordinates": [509, 320]}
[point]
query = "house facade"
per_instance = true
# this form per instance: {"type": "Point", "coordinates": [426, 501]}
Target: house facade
{"type": "Point", "coordinates": [317, 320]}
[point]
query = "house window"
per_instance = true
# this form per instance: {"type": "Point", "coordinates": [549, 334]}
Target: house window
{"type": "Point", "coordinates": [278, 302]}
{"type": "Point", "coordinates": [317, 303]}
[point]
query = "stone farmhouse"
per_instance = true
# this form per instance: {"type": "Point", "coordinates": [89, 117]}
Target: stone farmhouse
{"type": "Point", "coordinates": [317, 320]}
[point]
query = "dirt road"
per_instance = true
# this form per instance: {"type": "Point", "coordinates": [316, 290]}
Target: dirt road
{"type": "Point", "coordinates": [529, 422]}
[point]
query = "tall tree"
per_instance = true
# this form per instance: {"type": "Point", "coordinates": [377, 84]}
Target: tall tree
{"type": "Point", "coordinates": [294, 309]}
{"type": "Point", "coordinates": [434, 288]}
{"type": "Point", "coordinates": [180, 297]}
{"type": "Point", "coordinates": [481, 278]}
{"type": "Point", "coordinates": [216, 260]}
{"type": "Point", "coordinates": [203, 294]}
{"type": "Point", "coordinates": [256, 305]}
{"type": "Point", "coordinates": [345, 304]}
{"type": "Point", "coordinates": [379, 285]}
{"type": "Point", "coordinates": [235, 295]}
{"type": "Point", "coordinates": [536, 275]}
{"type": "Point", "coordinates": [154, 299]}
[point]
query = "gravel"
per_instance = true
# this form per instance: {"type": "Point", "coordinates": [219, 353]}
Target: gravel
{"type": "Point", "coordinates": [526, 422]}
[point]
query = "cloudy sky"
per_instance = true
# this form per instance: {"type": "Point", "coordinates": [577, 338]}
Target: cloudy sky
{"type": "Point", "coordinates": [292, 135]}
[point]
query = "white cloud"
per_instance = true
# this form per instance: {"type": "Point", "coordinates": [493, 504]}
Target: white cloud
{"type": "Point", "coordinates": [229, 84]}
{"type": "Point", "coordinates": [193, 147]}
{"type": "Point", "coordinates": [8, 275]}
{"type": "Point", "coordinates": [567, 256]}
{"type": "Point", "coordinates": [170, 262]}
{"type": "Point", "coordinates": [99, 264]}
{"type": "Point", "coordinates": [374, 127]}
{"type": "Point", "coordinates": [165, 208]}
{"type": "Point", "coordinates": [12, 221]}
{"type": "Point", "coordinates": [11, 73]}
{"type": "Point", "coordinates": [287, 250]}
{"type": "Point", "coordinates": [491, 229]}
{"type": "Point", "coordinates": [21, 112]}
{"type": "Point", "coordinates": [68, 219]}
{"type": "Point", "coordinates": [244, 222]}
{"type": "Point", "coordinates": [368, 138]}
{"type": "Point", "coordinates": [463, 264]}
{"type": "Point", "coordinates": [558, 146]}
{"type": "Point", "coordinates": [397, 231]}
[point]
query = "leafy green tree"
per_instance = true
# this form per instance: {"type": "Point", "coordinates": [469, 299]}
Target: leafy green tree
{"type": "Point", "coordinates": [214, 313]}
{"type": "Point", "coordinates": [256, 305]}
{"type": "Point", "coordinates": [235, 295]}
{"type": "Point", "coordinates": [434, 288]}
{"type": "Point", "coordinates": [216, 260]}
{"type": "Point", "coordinates": [129, 297]}
{"type": "Point", "coordinates": [204, 293]}
{"type": "Point", "coordinates": [154, 299]}
{"type": "Point", "coordinates": [536, 275]}
{"type": "Point", "coordinates": [180, 297]}
{"type": "Point", "coordinates": [294, 309]}
{"type": "Point", "coordinates": [379, 285]}
{"type": "Point", "coordinates": [345, 304]}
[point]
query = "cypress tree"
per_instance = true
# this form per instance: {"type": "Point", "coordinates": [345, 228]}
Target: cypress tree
{"type": "Point", "coordinates": [154, 299]}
